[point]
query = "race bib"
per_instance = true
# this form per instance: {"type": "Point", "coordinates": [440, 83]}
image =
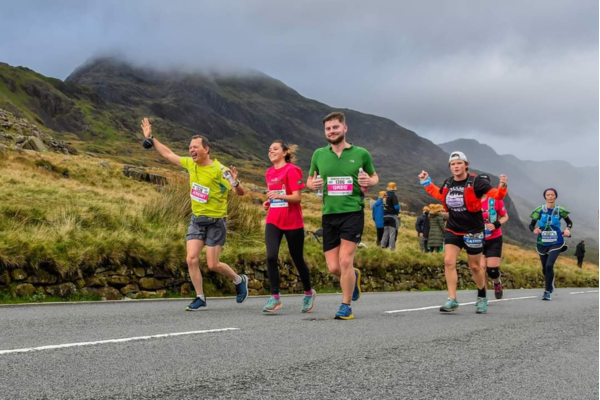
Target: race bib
{"type": "Point", "coordinates": [199, 193]}
{"type": "Point", "coordinates": [278, 203]}
{"type": "Point", "coordinates": [549, 236]}
{"type": "Point", "coordinates": [474, 241]}
{"type": "Point", "coordinates": [340, 185]}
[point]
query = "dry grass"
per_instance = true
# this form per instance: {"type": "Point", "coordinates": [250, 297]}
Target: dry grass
{"type": "Point", "coordinates": [99, 218]}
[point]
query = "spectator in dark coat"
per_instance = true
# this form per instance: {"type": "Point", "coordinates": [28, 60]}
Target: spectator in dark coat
{"type": "Point", "coordinates": [378, 216]}
{"type": "Point", "coordinates": [422, 228]}
{"type": "Point", "coordinates": [437, 228]}
{"type": "Point", "coordinates": [580, 253]}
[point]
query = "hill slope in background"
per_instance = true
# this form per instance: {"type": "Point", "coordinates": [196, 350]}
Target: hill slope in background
{"type": "Point", "coordinates": [577, 186]}
{"type": "Point", "coordinates": [99, 107]}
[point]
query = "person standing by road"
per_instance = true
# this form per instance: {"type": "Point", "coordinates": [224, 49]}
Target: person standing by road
{"type": "Point", "coordinates": [422, 228]}
{"type": "Point", "coordinates": [210, 183]}
{"type": "Point", "coordinates": [391, 209]}
{"type": "Point", "coordinates": [580, 253]}
{"type": "Point", "coordinates": [284, 218]}
{"type": "Point", "coordinates": [437, 229]}
{"type": "Point", "coordinates": [344, 172]}
{"type": "Point", "coordinates": [378, 216]}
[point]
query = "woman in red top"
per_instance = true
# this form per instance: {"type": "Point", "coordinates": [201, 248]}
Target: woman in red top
{"type": "Point", "coordinates": [461, 197]}
{"type": "Point", "coordinates": [494, 216]}
{"type": "Point", "coordinates": [284, 217]}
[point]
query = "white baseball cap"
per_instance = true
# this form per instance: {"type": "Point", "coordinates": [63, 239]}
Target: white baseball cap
{"type": "Point", "coordinates": [457, 155]}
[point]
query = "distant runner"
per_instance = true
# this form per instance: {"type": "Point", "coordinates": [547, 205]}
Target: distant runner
{"type": "Point", "coordinates": [348, 171]}
{"type": "Point", "coordinates": [284, 217]}
{"type": "Point", "coordinates": [546, 223]}
{"type": "Point", "coordinates": [461, 196]}
{"type": "Point", "coordinates": [210, 183]}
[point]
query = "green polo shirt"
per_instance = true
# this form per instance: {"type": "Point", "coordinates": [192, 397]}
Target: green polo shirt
{"type": "Point", "coordinates": [341, 191]}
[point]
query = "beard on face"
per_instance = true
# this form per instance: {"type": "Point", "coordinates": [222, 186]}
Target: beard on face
{"type": "Point", "coordinates": [337, 140]}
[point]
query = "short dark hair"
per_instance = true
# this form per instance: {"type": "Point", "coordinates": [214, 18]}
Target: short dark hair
{"type": "Point", "coordinates": [205, 143]}
{"type": "Point", "coordinates": [340, 116]}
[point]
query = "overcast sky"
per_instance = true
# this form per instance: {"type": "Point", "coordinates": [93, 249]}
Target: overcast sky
{"type": "Point", "coordinates": [520, 76]}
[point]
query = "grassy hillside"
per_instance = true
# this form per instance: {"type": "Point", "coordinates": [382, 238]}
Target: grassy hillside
{"type": "Point", "coordinates": [96, 217]}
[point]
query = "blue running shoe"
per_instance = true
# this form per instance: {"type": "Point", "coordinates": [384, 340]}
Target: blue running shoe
{"type": "Point", "coordinates": [450, 305]}
{"type": "Point", "coordinates": [356, 293]}
{"type": "Point", "coordinates": [481, 305]}
{"type": "Point", "coordinates": [242, 289]}
{"type": "Point", "coordinates": [546, 296]}
{"type": "Point", "coordinates": [272, 305]}
{"type": "Point", "coordinates": [308, 302]}
{"type": "Point", "coordinates": [196, 305]}
{"type": "Point", "coordinates": [345, 312]}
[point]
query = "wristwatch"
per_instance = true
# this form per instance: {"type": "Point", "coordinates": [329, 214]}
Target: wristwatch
{"type": "Point", "coordinates": [235, 184]}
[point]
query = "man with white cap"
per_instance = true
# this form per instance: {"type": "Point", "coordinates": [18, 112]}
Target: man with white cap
{"type": "Point", "coordinates": [461, 197]}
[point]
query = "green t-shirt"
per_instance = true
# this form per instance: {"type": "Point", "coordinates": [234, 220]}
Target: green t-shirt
{"type": "Point", "coordinates": [208, 188]}
{"type": "Point", "coordinates": [341, 191]}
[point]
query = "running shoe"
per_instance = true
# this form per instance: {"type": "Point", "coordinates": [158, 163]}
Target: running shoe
{"type": "Point", "coordinates": [272, 305]}
{"type": "Point", "coordinates": [196, 305]}
{"type": "Point", "coordinates": [345, 312]}
{"type": "Point", "coordinates": [242, 289]}
{"type": "Point", "coordinates": [308, 302]}
{"type": "Point", "coordinates": [481, 305]}
{"type": "Point", "coordinates": [546, 296]}
{"type": "Point", "coordinates": [450, 305]}
{"type": "Point", "coordinates": [356, 294]}
{"type": "Point", "coordinates": [498, 292]}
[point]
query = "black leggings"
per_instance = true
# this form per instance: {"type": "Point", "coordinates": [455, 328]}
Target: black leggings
{"type": "Point", "coordinates": [548, 256]}
{"type": "Point", "coordinates": [295, 239]}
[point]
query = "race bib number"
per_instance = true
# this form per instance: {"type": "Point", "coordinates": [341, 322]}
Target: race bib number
{"type": "Point", "coordinates": [278, 203]}
{"type": "Point", "coordinates": [549, 236]}
{"type": "Point", "coordinates": [340, 185]}
{"type": "Point", "coordinates": [199, 193]}
{"type": "Point", "coordinates": [474, 241]}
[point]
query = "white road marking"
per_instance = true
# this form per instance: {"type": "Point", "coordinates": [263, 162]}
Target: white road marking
{"type": "Point", "coordinates": [462, 304]}
{"type": "Point", "coordinates": [80, 344]}
{"type": "Point", "coordinates": [587, 291]}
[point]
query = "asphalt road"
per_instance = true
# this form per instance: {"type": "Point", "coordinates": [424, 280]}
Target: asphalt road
{"type": "Point", "coordinates": [521, 349]}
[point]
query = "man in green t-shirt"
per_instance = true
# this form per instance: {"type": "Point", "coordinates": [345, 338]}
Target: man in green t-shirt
{"type": "Point", "coordinates": [210, 183]}
{"type": "Point", "coordinates": [344, 172]}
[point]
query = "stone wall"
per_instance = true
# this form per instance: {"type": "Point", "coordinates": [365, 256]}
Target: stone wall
{"type": "Point", "coordinates": [139, 282]}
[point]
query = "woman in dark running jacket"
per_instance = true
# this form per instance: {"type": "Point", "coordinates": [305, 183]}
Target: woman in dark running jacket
{"type": "Point", "coordinates": [546, 223]}
{"type": "Point", "coordinates": [461, 197]}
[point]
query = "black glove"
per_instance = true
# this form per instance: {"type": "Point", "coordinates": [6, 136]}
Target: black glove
{"type": "Point", "coordinates": [148, 143]}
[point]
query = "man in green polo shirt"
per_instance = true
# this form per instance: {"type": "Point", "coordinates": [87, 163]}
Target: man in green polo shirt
{"type": "Point", "coordinates": [210, 183]}
{"type": "Point", "coordinates": [344, 172]}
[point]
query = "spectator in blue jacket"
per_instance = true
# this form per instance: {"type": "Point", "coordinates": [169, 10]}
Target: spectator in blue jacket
{"type": "Point", "coordinates": [391, 221]}
{"type": "Point", "coordinates": [378, 215]}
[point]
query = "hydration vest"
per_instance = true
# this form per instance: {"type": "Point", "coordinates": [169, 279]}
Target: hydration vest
{"type": "Point", "coordinates": [549, 219]}
{"type": "Point", "coordinates": [472, 203]}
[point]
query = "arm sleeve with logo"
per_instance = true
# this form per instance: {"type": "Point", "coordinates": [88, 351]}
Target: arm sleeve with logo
{"type": "Point", "coordinates": [294, 179]}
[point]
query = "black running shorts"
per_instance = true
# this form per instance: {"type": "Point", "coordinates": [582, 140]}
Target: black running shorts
{"type": "Point", "coordinates": [348, 226]}
{"type": "Point", "coordinates": [493, 247]}
{"type": "Point", "coordinates": [459, 241]}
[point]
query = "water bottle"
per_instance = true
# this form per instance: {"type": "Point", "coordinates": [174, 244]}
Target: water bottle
{"type": "Point", "coordinates": [319, 192]}
{"type": "Point", "coordinates": [227, 175]}
{"type": "Point", "coordinates": [363, 188]}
